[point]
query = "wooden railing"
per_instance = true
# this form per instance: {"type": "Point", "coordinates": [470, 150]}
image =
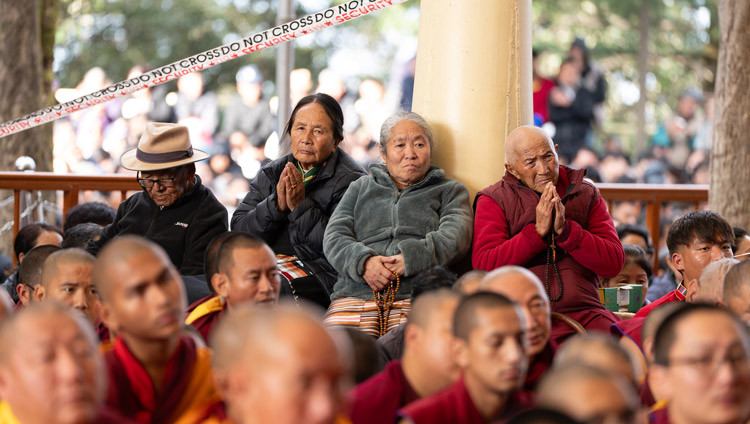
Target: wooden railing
{"type": "Point", "coordinates": [653, 195]}
{"type": "Point", "coordinates": [71, 185]}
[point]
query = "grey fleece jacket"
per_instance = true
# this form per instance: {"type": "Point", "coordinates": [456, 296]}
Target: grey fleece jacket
{"type": "Point", "coordinates": [430, 223]}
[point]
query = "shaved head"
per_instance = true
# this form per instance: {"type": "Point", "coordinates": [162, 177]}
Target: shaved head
{"type": "Point", "coordinates": [469, 282]}
{"type": "Point", "coordinates": [117, 253]}
{"type": "Point", "coordinates": [517, 141]}
{"type": "Point", "coordinates": [531, 157]}
{"type": "Point", "coordinates": [737, 290]}
{"type": "Point", "coordinates": [523, 287]}
{"type": "Point", "coordinates": [63, 257]}
{"type": "Point", "coordinates": [50, 367]}
{"type": "Point", "coordinates": [598, 351]}
{"type": "Point", "coordinates": [426, 306]}
{"type": "Point", "coordinates": [589, 394]}
{"type": "Point", "coordinates": [261, 357]}
{"type": "Point", "coordinates": [711, 284]}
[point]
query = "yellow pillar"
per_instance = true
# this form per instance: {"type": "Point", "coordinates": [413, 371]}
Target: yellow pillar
{"type": "Point", "coordinates": [473, 82]}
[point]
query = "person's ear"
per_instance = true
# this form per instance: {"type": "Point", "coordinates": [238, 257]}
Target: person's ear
{"type": "Point", "coordinates": [4, 387]}
{"type": "Point", "coordinates": [658, 381]}
{"type": "Point", "coordinates": [220, 283]}
{"type": "Point", "coordinates": [382, 154]}
{"type": "Point", "coordinates": [23, 294]}
{"type": "Point", "coordinates": [20, 257]}
{"type": "Point", "coordinates": [39, 293]}
{"type": "Point", "coordinates": [509, 169]}
{"type": "Point", "coordinates": [678, 264]}
{"type": "Point", "coordinates": [557, 149]}
{"type": "Point", "coordinates": [411, 335]}
{"type": "Point", "coordinates": [460, 350]}
{"type": "Point", "coordinates": [107, 316]}
{"type": "Point", "coordinates": [692, 289]}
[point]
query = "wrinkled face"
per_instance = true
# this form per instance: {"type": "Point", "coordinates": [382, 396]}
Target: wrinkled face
{"type": "Point", "coordinates": [692, 259]}
{"type": "Point", "coordinates": [54, 373]}
{"type": "Point", "coordinates": [631, 273]}
{"type": "Point", "coordinates": [254, 277]}
{"type": "Point", "coordinates": [532, 299]}
{"type": "Point", "coordinates": [433, 345]}
{"type": "Point", "coordinates": [535, 162]}
{"type": "Point", "coordinates": [147, 297]}
{"type": "Point", "coordinates": [312, 135]}
{"type": "Point", "coordinates": [71, 285]}
{"type": "Point", "coordinates": [597, 401]}
{"type": "Point", "coordinates": [299, 381]}
{"type": "Point", "coordinates": [166, 196]}
{"type": "Point", "coordinates": [495, 354]}
{"type": "Point", "coordinates": [740, 305]}
{"type": "Point", "coordinates": [743, 247]}
{"type": "Point", "coordinates": [708, 376]}
{"type": "Point", "coordinates": [408, 154]}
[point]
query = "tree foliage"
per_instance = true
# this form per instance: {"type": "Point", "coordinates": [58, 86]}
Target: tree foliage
{"type": "Point", "coordinates": [683, 49]}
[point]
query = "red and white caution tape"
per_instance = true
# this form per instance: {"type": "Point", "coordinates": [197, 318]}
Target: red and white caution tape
{"type": "Point", "coordinates": [268, 38]}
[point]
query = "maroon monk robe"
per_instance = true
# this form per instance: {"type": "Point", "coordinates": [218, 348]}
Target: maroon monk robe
{"type": "Point", "coordinates": [539, 365]}
{"type": "Point", "coordinates": [630, 328]}
{"type": "Point", "coordinates": [659, 416]}
{"type": "Point", "coordinates": [676, 295]}
{"type": "Point", "coordinates": [454, 405]}
{"type": "Point", "coordinates": [588, 247]}
{"type": "Point", "coordinates": [376, 400]}
{"type": "Point", "coordinates": [131, 391]}
{"type": "Point", "coordinates": [205, 313]}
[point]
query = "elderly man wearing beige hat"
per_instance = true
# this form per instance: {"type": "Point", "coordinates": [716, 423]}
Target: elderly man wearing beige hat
{"type": "Point", "coordinates": [174, 209]}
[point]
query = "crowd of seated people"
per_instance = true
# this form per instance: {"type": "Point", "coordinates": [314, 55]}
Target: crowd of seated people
{"type": "Point", "coordinates": [336, 297]}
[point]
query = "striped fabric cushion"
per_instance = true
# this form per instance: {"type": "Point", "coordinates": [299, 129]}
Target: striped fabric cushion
{"type": "Point", "coordinates": [363, 314]}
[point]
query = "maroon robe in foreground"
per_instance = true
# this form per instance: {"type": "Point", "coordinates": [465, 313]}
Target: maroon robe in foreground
{"type": "Point", "coordinates": [659, 416]}
{"type": "Point", "coordinates": [376, 400]}
{"type": "Point", "coordinates": [187, 385]}
{"type": "Point", "coordinates": [676, 295]}
{"type": "Point", "coordinates": [539, 366]}
{"type": "Point", "coordinates": [204, 314]}
{"type": "Point", "coordinates": [454, 405]}
{"type": "Point", "coordinates": [630, 328]}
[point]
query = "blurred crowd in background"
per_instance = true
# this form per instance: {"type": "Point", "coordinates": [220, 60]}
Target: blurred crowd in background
{"type": "Point", "coordinates": [238, 127]}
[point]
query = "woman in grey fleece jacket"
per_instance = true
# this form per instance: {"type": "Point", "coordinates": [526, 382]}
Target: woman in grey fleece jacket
{"type": "Point", "coordinates": [405, 217]}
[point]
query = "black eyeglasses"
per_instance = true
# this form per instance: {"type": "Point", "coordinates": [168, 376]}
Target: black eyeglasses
{"type": "Point", "coordinates": [149, 183]}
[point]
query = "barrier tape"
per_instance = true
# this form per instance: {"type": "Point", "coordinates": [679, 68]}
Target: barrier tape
{"type": "Point", "coordinates": [264, 39]}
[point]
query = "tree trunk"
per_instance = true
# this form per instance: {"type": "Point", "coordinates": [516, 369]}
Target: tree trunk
{"type": "Point", "coordinates": [26, 51]}
{"type": "Point", "coordinates": [730, 190]}
{"type": "Point", "coordinates": [22, 79]}
{"type": "Point", "coordinates": [640, 136]}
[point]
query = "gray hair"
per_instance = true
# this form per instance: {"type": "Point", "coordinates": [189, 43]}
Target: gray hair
{"type": "Point", "coordinates": [398, 116]}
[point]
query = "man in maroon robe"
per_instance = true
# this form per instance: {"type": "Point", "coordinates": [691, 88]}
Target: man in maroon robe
{"type": "Point", "coordinates": [694, 240]}
{"type": "Point", "coordinates": [246, 271]}
{"type": "Point", "coordinates": [157, 373]}
{"type": "Point", "coordinates": [490, 349]}
{"type": "Point", "coordinates": [589, 394]}
{"type": "Point", "coordinates": [523, 287]}
{"type": "Point", "coordinates": [279, 366]}
{"type": "Point", "coordinates": [427, 365]}
{"type": "Point", "coordinates": [51, 370]}
{"type": "Point", "coordinates": [702, 365]}
{"type": "Point", "coordinates": [547, 218]}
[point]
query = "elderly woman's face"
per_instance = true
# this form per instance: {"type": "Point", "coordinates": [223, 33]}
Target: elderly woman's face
{"type": "Point", "coordinates": [172, 183]}
{"type": "Point", "coordinates": [312, 135]}
{"type": "Point", "coordinates": [408, 154]}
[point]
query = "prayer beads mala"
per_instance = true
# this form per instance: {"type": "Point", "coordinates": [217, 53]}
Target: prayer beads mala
{"type": "Point", "coordinates": [384, 303]}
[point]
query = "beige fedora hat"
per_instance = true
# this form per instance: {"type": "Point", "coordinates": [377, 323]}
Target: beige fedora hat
{"type": "Point", "coordinates": [162, 146]}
